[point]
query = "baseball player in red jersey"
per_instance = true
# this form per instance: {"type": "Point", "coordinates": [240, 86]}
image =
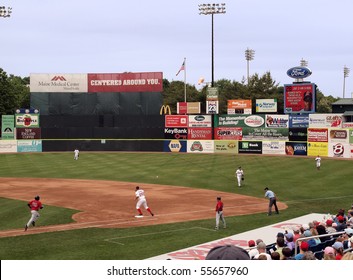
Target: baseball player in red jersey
{"type": "Point", "coordinates": [141, 201]}
{"type": "Point", "coordinates": [35, 205]}
{"type": "Point", "coordinates": [219, 213]}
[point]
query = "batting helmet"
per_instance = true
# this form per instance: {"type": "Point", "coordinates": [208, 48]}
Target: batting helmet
{"type": "Point", "coordinates": [37, 197]}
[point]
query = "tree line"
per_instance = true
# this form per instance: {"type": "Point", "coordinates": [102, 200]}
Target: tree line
{"type": "Point", "coordinates": [15, 93]}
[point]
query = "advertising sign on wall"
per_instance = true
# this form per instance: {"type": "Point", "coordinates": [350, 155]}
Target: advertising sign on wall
{"type": "Point", "coordinates": [276, 121]}
{"type": "Point", "coordinates": [58, 82]}
{"type": "Point", "coordinates": [125, 82]}
{"type": "Point", "coordinates": [339, 150]}
{"type": "Point", "coordinates": [226, 146]}
{"type": "Point", "coordinates": [8, 127]}
{"type": "Point", "coordinates": [240, 106]}
{"type": "Point", "coordinates": [298, 134]}
{"type": "Point", "coordinates": [239, 120]}
{"type": "Point", "coordinates": [265, 133]}
{"type": "Point", "coordinates": [200, 121]}
{"type": "Point", "coordinates": [29, 146]}
{"type": "Point", "coordinates": [325, 120]}
{"type": "Point", "coordinates": [200, 146]}
{"type": "Point", "coordinates": [27, 120]}
{"type": "Point", "coordinates": [175, 146]}
{"type": "Point", "coordinates": [273, 147]}
{"type": "Point", "coordinates": [338, 135]}
{"type": "Point", "coordinates": [317, 135]}
{"type": "Point", "coordinates": [299, 121]}
{"type": "Point", "coordinates": [203, 133]}
{"type": "Point", "coordinates": [250, 147]}
{"type": "Point", "coordinates": [299, 98]}
{"type": "Point", "coordinates": [8, 146]}
{"type": "Point", "coordinates": [228, 133]}
{"type": "Point", "coordinates": [296, 149]}
{"type": "Point", "coordinates": [182, 108]}
{"type": "Point", "coordinates": [266, 105]}
{"type": "Point", "coordinates": [211, 107]}
{"type": "Point", "coordinates": [317, 148]}
{"type": "Point", "coordinates": [28, 133]}
{"type": "Point", "coordinates": [175, 133]}
{"type": "Point", "coordinates": [176, 121]}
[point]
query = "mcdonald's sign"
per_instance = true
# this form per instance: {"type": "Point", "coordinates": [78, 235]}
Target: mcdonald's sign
{"type": "Point", "coordinates": [165, 110]}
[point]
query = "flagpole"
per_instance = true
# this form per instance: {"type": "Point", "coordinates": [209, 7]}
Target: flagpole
{"type": "Point", "coordinates": [184, 79]}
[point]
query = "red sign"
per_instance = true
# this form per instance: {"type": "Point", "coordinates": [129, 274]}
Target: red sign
{"type": "Point", "coordinates": [203, 133]}
{"type": "Point", "coordinates": [299, 98]}
{"type": "Point", "coordinates": [317, 135]}
{"type": "Point", "coordinates": [182, 108]}
{"type": "Point", "coordinates": [176, 121]}
{"type": "Point", "coordinates": [28, 133]}
{"type": "Point", "coordinates": [228, 133]}
{"type": "Point", "coordinates": [126, 82]}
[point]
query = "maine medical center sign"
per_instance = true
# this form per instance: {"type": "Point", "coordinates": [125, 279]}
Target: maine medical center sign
{"type": "Point", "coordinates": [97, 82]}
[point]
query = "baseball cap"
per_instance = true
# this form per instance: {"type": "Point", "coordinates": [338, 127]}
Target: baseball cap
{"type": "Point", "coordinates": [305, 226]}
{"type": "Point", "coordinates": [349, 231]}
{"type": "Point", "coordinates": [329, 251]}
{"type": "Point", "coordinates": [307, 233]}
{"type": "Point", "coordinates": [304, 246]}
{"type": "Point", "coordinates": [251, 243]}
{"type": "Point", "coordinates": [337, 245]}
{"type": "Point", "coordinates": [227, 252]}
{"type": "Point", "coordinates": [289, 235]}
{"type": "Point", "coordinates": [340, 219]}
{"type": "Point", "coordinates": [329, 222]}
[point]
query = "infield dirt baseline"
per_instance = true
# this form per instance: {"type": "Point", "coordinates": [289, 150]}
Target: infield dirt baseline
{"type": "Point", "coordinates": [115, 207]}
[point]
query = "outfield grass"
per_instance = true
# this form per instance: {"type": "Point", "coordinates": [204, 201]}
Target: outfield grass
{"type": "Point", "coordinates": [295, 180]}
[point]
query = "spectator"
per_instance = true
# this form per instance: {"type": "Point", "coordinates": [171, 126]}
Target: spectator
{"type": "Point", "coordinates": [329, 253]}
{"type": "Point", "coordinates": [348, 256]}
{"type": "Point", "coordinates": [253, 250]}
{"type": "Point", "coordinates": [351, 243]}
{"type": "Point", "coordinates": [341, 223]}
{"type": "Point", "coordinates": [261, 247]}
{"type": "Point", "coordinates": [309, 256]}
{"type": "Point", "coordinates": [329, 226]}
{"type": "Point", "coordinates": [315, 233]}
{"type": "Point", "coordinates": [263, 257]}
{"type": "Point", "coordinates": [310, 241]}
{"type": "Point", "coordinates": [287, 254]}
{"type": "Point", "coordinates": [349, 222]}
{"type": "Point", "coordinates": [304, 247]}
{"type": "Point", "coordinates": [227, 252]}
{"type": "Point", "coordinates": [338, 246]}
{"type": "Point", "coordinates": [280, 245]}
{"type": "Point", "coordinates": [348, 233]}
{"type": "Point", "coordinates": [321, 230]}
{"type": "Point", "coordinates": [290, 240]}
{"type": "Point", "coordinates": [275, 256]}
{"type": "Point", "coordinates": [296, 232]}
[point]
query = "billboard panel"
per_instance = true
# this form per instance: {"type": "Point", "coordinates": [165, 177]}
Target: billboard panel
{"type": "Point", "coordinates": [29, 146]}
{"type": "Point", "coordinates": [339, 150]}
{"type": "Point", "coordinates": [228, 133]}
{"type": "Point", "coordinates": [182, 108]}
{"type": "Point", "coordinates": [27, 120]}
{"type": "Point", "coordinates": [8, 127]}
{"type": "Point", "coordinates": [8, 146]}
{"type": "Point", "coordinates": [175, 146]}
{"type": "Point", "coordinates": [299, 120]}
{"type": "Point", "coordinates": [212, 107]}
{"type": "Point", "coordinates": [325, 120]}
{"type": "Point", "coordinates": [176, 121]}
{"type": "Point", "coordinates": [239, 121]}
{"type": "Point", "coordinates": [200, 121]}
{"type": "Point", "coordinates": [296, 149]}
{"type": "Point", "coordinates": [200, 146]}
{"type": "Point", "coordinates": [125, 82]}
{"type": "Point", "coordinates": [28, 133]}
{"type": "Point", "coordinates": [273, 147]}
{"type": "Point", "coordinates": [226, 146]}
{"type": "Point", "coordinates": [250, 133]}
{"type": "Point", "coordinates": [276, 121]}
{"type": "Point", "coordinates": [58, 82]}
{"type": "Point", "coordinates": [297, 134]}
{"type": "Point", "coordinates": [175, 133]}
{"type": "Point", "coordinates": [203, 133]}
{"type": "Point", "coordinates": [318, 148]}
{"type": "Point", "coordinates": [338, 135]}
{"type": "Point", "coordinates": [299, 98]}
{"type": "Point", "coordinates": [317, 135]}
{"type": "Point", "coordinates": [250, 147]}
{"type": "Point", "coordinates": [266, 105]}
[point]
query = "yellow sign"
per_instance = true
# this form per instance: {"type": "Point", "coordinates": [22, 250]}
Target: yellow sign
{"type": "Point", "coordinates": [165, 110]}
{"type": "Point", "coordinates": [175, 146]}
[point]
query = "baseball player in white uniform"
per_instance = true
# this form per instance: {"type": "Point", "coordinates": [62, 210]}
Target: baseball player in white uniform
{"type": "Point", "coordinates": [76, 152]}
{"type": "Point", "coordinates": [239, 174]}
{"type": "Point", "coordinates": [318, 162]}
{"type": "Point", "coordinates": [141, 201]}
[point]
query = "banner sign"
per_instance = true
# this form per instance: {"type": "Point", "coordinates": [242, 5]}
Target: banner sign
{"type": "Point", "coordinates": [8, 127]}
{"type": "Point", "coordinates": [226, 146]}
{"type": "Point", "coordinates": [200, 146]}
{"type": "Point", "coordinates": [228, 133]}
{"type": "Point", "coordinates": [296, 149]}
{"type": "Point", "coordinates": [175, 146]}
{"type": "Point", "coordinates": [339, 150]}
{"type": "Point", "coordinates": [277, 121]}
{"type": "Point", "coordinates": [265, 133]}
{"type": "Point", "coordinates": [299, 121]}
{"type": "Point", "coordinates": [29, 146]}
{"type": "Point", "coordinates": [239, 121]}
{"type": "Point", "coordinates": [182, 108]}
{"type": "Point", "coordinates": [194, 108]}
{"type": "Point", "coordinates": [317, 135]}
{"type": "Point", "coordinates": [298, 134]}
{"type": "Point", "coordinates": [200, 121]}
{"type": "Point", "coordinates": [212, 94]}
{"type": "Point", "coordinates": [338, 136]}
{"type": "Point", "coordinates": [299, 98]}
{"type": "Point", "coordinates": [325, 120]}
{"type": "Point", "coordinates": [58, 82]}
{"type": "Point", "coordinates": [250, 147]}
{"type": "Point", "coordinates": [317, 148]}
{"type": "Point", "coordinates": [8, 146]}
{"type": "Point", "coordinates": [240, 104]}
{"type": "Point", "coordinates": [273, 147]}
{"type": "Point", "coordinates": [266, 105]}
{"type": "Point", "coordinates": [175, 133]}
{"type": "Point", "coordinates": [176, 121]}
{"type": "Point", "coordinates": [203, 133]}
{"type": "Point", "coordinates": [27, 120]}
{"type": "Point", "coordinates": [125, 82]}
{"type": "Point", "coordinates": [211, 107]}
{"type": "Point", "coordinates": [28, 133]}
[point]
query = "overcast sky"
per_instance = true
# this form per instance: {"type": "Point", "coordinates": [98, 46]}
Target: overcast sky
{"type": "Point", "coordinates": [112, 36]}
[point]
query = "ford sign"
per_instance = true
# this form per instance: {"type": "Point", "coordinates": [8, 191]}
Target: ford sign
{"type": "Point", "coordinates": [299, 72]}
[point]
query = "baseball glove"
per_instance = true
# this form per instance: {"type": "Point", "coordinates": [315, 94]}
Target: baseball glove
{"type": "Point", "coordinates": [242, 178]}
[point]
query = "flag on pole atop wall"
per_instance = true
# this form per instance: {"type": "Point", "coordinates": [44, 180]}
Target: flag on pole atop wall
{"type": "Point", "coordinates": [182, 68]}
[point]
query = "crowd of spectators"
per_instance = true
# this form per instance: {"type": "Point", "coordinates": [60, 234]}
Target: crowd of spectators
{"type": "Point", "coordinates": [330, 239]}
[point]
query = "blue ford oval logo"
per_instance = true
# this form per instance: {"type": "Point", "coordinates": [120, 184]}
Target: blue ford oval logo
{"type": "Point", "coordinates": [299, 72]}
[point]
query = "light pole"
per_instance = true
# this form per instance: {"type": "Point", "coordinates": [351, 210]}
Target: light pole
{"type": "Point", "coordinates": [4, 13]}
{"type": "Point", "coordinates": [303, 62]}
{"type": "Point", "coordinates": [249, 55]}
{"type": "Point", "coordinates": [345, 75]}
{"type": "Point", "coordinates": [212, 9]}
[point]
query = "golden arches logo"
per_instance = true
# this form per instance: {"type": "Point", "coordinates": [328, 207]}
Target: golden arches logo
{"type": "Point", "coordinates": [165, 110]}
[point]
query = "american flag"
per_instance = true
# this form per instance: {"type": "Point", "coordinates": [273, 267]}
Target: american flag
{"type": "Point", "coordinates": [182, 68]}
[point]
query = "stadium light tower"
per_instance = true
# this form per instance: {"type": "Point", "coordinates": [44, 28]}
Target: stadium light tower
{"type": "Point", "coordinates": [249, 55]}
{"type": "Point", "coordinates": [345, 75]}
{"type": "Point", "coordinates": [212, 9]}
{"type": "Point", "coordinates": [5, 13]}
{"type": "Point", "coordinates": [303, 62]}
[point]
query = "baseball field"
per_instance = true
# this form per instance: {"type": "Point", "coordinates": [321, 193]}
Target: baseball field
{"type": "Point", "coordinates": [90, 205]}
